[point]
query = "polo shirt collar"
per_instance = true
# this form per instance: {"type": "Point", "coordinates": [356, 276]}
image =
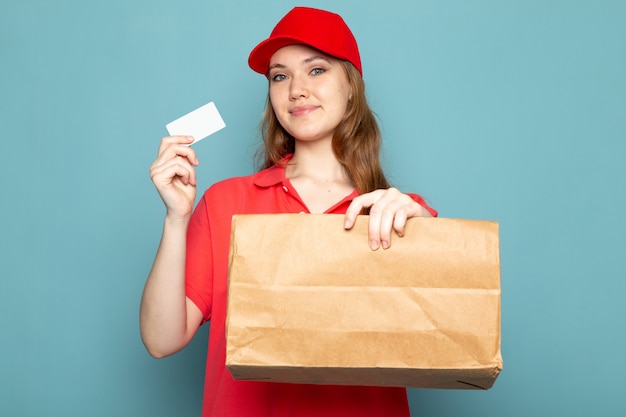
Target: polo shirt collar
{"type": "Point", "coordinates": [275, 175]}
{"type": "Point", "coordinates": [270, 177]}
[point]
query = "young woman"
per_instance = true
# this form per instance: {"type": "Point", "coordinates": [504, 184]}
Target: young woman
{"type": "Point", "coordinates": [320, 155]}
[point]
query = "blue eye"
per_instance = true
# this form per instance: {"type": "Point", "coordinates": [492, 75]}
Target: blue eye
{"type": "Point", "coordinates": [279, 77]}
{"type": "Point", "coordinates": [317, 71]}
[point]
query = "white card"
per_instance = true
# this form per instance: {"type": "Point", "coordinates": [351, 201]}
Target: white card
{"type": "Point", "coordinates": [200, 123]}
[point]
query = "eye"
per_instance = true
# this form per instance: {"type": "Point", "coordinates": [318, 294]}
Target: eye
{"type": "Point", "coordinates": [279, 77]}
{"type": "Point", "coordinates": [317, 71]}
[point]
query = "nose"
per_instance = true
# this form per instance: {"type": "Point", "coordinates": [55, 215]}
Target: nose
{"type": "Point", "coordinates": [298, 87]}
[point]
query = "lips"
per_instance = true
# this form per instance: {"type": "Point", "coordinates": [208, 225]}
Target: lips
{"type": "Point", "coordinates": [302, 110]}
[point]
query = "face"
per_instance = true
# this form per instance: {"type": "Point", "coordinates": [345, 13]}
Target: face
{"type": "Point", "coordinates": [309, 92]}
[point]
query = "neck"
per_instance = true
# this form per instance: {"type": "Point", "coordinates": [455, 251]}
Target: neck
{"type": "Point", "coordinates": [316, 162]}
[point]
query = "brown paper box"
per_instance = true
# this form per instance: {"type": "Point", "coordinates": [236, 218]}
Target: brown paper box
{"type": "Point", "coordinates": [310, 302]}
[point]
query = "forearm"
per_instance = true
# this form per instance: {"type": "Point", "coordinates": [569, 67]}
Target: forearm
{"type": "Point", "coordinates": [163, 312]}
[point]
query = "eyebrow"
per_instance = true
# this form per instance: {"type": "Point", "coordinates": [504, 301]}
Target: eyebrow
{"type": "Point", "coordinates": [304, 61]}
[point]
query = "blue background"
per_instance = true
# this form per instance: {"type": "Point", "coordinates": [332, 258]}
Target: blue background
{"type": "Point", "coordinates": [513, 111]}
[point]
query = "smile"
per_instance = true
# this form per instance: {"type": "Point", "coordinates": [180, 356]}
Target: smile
{"type": "Point", "coordinates": [302, 110]}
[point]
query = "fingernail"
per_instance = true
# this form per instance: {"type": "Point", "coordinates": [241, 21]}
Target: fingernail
{"type": "Point", "coordinates": [385, 244]}
{"type": "Point", "coordinates": [374, 244]}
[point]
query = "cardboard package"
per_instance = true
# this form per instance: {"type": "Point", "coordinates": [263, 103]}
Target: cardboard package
{"type": "Point", "coordinates": [310, 302]}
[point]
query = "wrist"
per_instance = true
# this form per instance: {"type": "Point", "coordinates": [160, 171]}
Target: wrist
{"type": "Point", "coordinates": [177, 220]}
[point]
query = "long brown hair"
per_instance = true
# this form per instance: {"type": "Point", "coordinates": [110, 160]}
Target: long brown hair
{"type": "Point", "coordinates": [356, 141]}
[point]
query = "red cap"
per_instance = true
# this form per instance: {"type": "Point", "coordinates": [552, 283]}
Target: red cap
{"type": "Point", "coordinates": [317, 28]}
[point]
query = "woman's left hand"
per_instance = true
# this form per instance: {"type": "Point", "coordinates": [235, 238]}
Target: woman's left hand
{"type": "Point", "coordinates": [389, 209]}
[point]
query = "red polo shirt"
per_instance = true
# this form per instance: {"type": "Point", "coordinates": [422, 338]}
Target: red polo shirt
{"type": "Point", "coordinates": [268, 191]}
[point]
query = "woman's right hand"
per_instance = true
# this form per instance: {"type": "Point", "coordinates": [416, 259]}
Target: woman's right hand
{"type": "Point", "coordinates": [168, 319]}
{"type": "Point", "coordinates": [173, 175]}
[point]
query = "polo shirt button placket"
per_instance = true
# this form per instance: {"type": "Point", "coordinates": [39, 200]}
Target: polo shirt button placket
{"type": "Point", "coordinates": [299, 206]}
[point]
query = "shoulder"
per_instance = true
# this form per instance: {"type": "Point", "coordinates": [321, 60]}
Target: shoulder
{"type": "Point", "coordinates": [231, 184]}
{"type": "Point", "coordinates": [228, 191]}
{"type": "Point", "coordinates": [243, 191]}
{"type": "Point", "coordinates": [259, 180]}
